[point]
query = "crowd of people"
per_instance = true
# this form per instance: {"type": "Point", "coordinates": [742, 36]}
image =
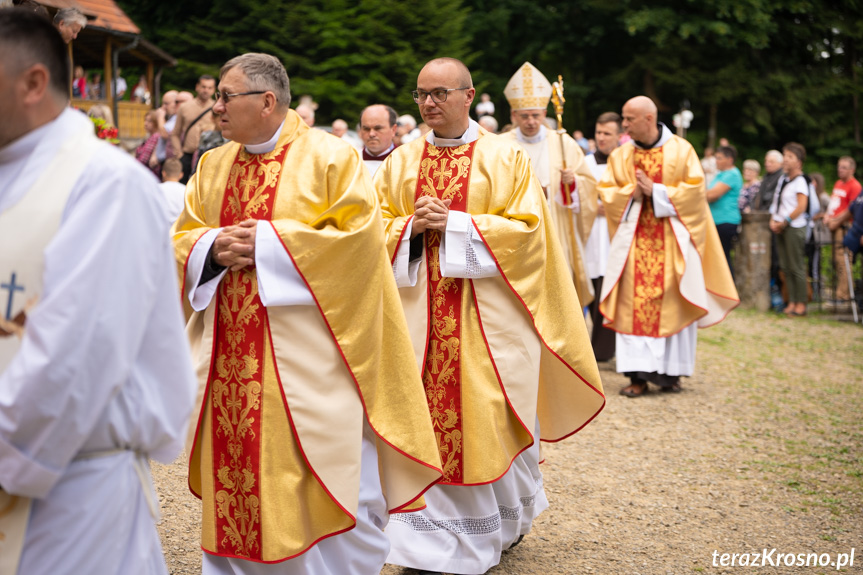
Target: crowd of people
{"type": "Point", "coordinates": [375, 341]}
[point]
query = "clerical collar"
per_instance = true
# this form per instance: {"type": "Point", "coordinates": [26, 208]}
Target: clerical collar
{"type": "Point", "coordinates": [601, 159]}
{"type": "Point", "coordinates": [540, 136]}
{"type": "Point", "coordinates": [383, 155]}
{"type": "Point", "coordinates": [269, 145]}
{"type": "Point", "coordinates": [471, 135]}
{"type": "Point", "coordinates": [664, 136]}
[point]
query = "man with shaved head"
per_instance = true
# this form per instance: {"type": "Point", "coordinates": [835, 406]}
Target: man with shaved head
{"type": "Point", "coordinates": [670, 273]}
{"type": "Point", "coordinates": [488, 298]}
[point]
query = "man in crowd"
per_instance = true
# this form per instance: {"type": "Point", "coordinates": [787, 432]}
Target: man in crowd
{"type": "Point", "coordinates": [340, 128]}
{"type": "Point", "coordinates": [166, 119]}
{"type": "Point", "coordinates": [69, 22]}
{"type": "Point", "coordinates": [193, 118]}
{"type": "Point", "coordinates": [377, 130]}
{"type": "Point", "coordinates": [489, 123]}
{"type": "Point", "coordinates": [312, 402]}
{"type": "Point", "coordinates": [607, 136]}
{"type": "Point", "coordinates": [558, 162]}
{"type": "Point", "coordinates": [95, 375]}
{"type": "Point", "coordinates": [489, 300]}
{"type": "Point", "coordinates": [407, 129]}
{"type": "Point", "coordinates": [845, 190]}
{"type": "Point", "coordinates": [670, 272]}
{"type": "Point", "coordinates": [307, 113]}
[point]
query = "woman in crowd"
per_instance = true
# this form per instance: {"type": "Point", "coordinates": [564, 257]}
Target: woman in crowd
{"type": "Point", "coordinates": [789, 223]}
{"type": "Point", "coordinates": [751, 185]}
{"type": "Point", "coordinates": [144, 152]}
{"type": "Point", "coordinates": [722, 195]}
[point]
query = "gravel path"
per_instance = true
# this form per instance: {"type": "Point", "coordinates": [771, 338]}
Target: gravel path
{"type": "Point", "coordinates": [763, 449]}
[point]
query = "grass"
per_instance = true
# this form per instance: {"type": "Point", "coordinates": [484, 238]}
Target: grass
{"type": "Point", "coordinates": [802, 379]}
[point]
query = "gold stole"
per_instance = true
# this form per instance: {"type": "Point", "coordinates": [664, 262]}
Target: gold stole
{"type": "Point", "coordinates": [445, 174]}
{"type": "Point", "coordinates": [649, 278]}
{"type": "Point", "coordinates": [236, 382]}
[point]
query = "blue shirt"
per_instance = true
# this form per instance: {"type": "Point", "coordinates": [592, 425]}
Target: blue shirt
{"type": "Point", "coordinates": [725, 210]}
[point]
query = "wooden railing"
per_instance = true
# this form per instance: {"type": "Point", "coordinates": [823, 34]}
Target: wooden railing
{"type": "Point", "coordinates": [130, 116]}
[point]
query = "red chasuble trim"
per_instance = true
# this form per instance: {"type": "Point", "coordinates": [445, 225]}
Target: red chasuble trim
{"type": "Point", "coordinates": [548, 347]}
{"type": "Point", "coordinates": [236, 388]}
{"type": "Point", "coordinates": [649, 277]}
{"type": "Point", "coordinates": [445, 174]}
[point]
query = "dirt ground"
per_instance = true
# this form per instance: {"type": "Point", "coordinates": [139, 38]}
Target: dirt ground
{"type": "Point", "coordinates": [763, 450]}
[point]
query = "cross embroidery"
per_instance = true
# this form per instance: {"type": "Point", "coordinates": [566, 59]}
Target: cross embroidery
{"type": "Point", "coordinates": [236, 290]}
{"type": "Point", "coordinates": [436, 356]}
{"type": "Point", "coordinates": [434, 264]}
{"type": "Point", "coordinates": [12, 287]}
{"type": "Point", "coordinates": [441, 172]}
{"type": "Point", "coordinates": [249, 183]}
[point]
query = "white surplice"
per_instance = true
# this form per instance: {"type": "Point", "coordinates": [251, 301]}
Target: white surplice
{"type": "Point", "coordinates": [598, 243]}
{"type": "Point", "coordinates": [362, 549]}
{"type": "Point", "coordinates": [464, 529]}
{"type": "Point", "coordinates": [103, 378]}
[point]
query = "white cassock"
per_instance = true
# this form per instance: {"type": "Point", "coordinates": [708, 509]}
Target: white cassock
{"type": "Point", "coordinates": [364, 548]}
{"type": "Point", "coordinates": [464, 529]}
{"type": "Point", "coordinates": [596, 248]}
{"type": "Point", "coordinates": [102, 378]}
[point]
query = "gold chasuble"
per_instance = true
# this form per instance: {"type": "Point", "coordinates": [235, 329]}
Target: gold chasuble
{"type": "Point", "coordinates": [663, 273]}
{"type": "Point", "coordinates": [276, 453]}
{"type": "Point", "coordinates": [573, 228]}
{"type": "Point", "coordinates": [495, 352]}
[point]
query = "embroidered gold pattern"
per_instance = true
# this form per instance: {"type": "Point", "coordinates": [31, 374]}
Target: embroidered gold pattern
{"type": "Point", "coordinates": [649, 279]}
{"type": "Point", "coordinates": [444, 173]}
{"type": "Point", "coordinates": [236, 380]}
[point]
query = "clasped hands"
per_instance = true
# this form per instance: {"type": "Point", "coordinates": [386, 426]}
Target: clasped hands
{"type": "Point", "coordinates": [429, 214]}
{"type": "Point", "coordinates": [643, 185]}
{"type": "Point", "coordinates": [234, 247]}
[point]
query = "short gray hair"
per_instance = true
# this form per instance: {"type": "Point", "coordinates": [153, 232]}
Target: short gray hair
{"type": "Point", "coordinates": [775, 154]}
{"type": "Point", "coordinates": [70, 15]}
{"type": "Point", "coordinates": [489, 123]}
{"type": "Point", "coordinates": [264, 72]}
{"type": "Point", "coordinates": [752, 165]}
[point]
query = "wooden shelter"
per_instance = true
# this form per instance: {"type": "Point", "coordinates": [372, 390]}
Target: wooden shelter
{"type": "Point", "coordinates": [110, 41]}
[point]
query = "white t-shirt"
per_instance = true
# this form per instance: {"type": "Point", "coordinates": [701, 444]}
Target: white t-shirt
{"type": "Point", "coordinates": [175, 193]}
{"type": "Point", "coordinates": [785, 200]}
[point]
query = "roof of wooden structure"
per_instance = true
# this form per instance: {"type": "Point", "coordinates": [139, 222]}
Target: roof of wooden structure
{"type": "Point", "coordinates": [105, 17]}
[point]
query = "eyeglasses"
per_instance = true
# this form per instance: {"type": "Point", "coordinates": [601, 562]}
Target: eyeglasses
{"type": "Point", "coordinates": [225, 97]}
{"type": "Point", "coordinates": [438, 95]}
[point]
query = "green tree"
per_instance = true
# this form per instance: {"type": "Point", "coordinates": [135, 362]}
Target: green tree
{"type": "Point", "coordinates": [346, 55]}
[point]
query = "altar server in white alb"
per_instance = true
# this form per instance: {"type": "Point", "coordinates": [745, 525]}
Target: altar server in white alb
{"type": "Point", "coordinates": [607, 137]}
{"type": "Point", "coordinates": [558, 162]}
{"type": "Point", "coordinates": [95, 372]}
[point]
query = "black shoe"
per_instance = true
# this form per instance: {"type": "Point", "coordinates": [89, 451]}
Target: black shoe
{"type": "Point", "coordinates": [517, 541]}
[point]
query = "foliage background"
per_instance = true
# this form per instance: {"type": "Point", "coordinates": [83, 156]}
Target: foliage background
{"type": "Point", "coordinates": [759, 72]}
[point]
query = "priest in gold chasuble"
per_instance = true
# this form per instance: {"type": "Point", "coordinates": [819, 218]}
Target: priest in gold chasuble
{"type": "Point", "coordinates": [559, 163]}
{"type": "Point", "coordinates": [666, 274]}
{"type": "Point", "coordinates": [495, 324]}
{"type": "Point", "coordinates": [308, 436]}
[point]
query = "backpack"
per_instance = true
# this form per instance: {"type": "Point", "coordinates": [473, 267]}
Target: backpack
{"type": "Point", "coordinates": [814, 206]}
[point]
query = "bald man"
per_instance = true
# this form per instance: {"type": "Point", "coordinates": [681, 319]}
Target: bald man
{"type": "Point", "coordinates": [488, 298]}
{"type": "Point", "coordinates": [669, 272]}
{"type": "Point", "coordinates": [307, 113]}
